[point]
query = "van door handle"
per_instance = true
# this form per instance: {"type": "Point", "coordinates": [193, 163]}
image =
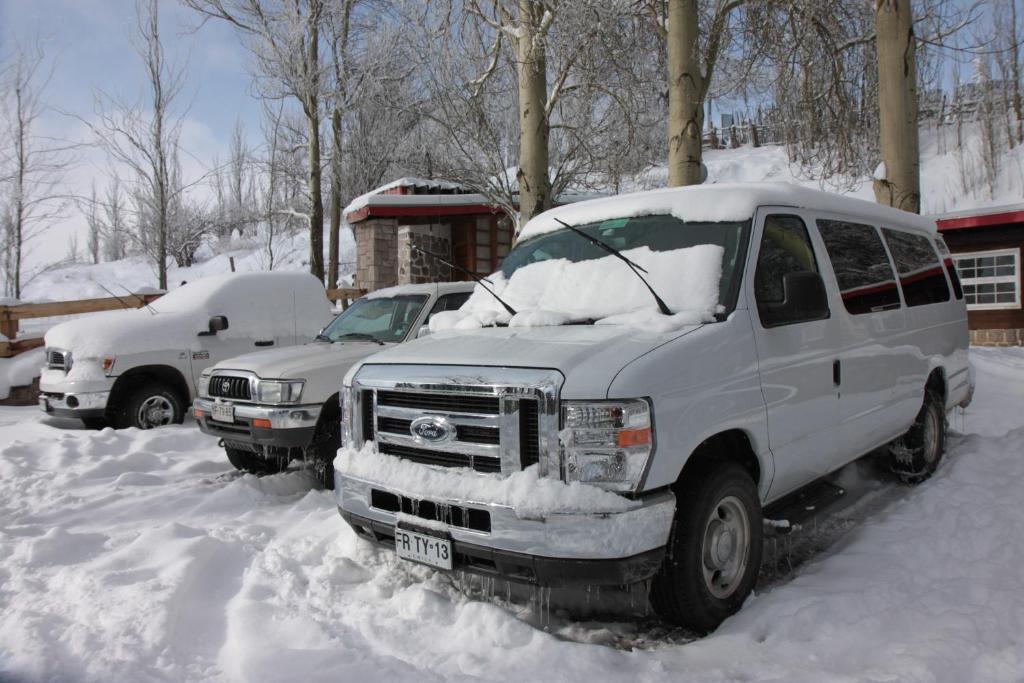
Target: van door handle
{"type": "Point", "coordinates": [837, 373]}
{"type": "Point", "coordinates": [269, 342]}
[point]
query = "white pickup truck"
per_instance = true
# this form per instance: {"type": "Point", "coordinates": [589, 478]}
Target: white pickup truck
{"type": "Point", "coordinates": [138, 368]}
{"type": "Point", "coordinates": [271, 407]}
{"type": "Point", "coordinates": [660, 370]}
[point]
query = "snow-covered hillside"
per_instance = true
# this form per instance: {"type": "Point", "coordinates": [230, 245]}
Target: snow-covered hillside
{"type": "Point", "coordinates": [141, 556]}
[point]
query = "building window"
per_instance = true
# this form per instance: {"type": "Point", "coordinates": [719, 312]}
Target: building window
{"type": "Point", "coordinates": [990, 279]}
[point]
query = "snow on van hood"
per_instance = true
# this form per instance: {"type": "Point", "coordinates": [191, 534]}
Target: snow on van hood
{"type": "Point", "coordinates": [589, 356]}
{"type": "Point", "coordinates": [302, 362]}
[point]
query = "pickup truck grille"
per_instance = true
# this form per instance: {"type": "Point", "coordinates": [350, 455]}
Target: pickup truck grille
{"type": "Point", "coordinates": [228, 386]}
{"type": "Point", "coordinates": [56, 359]}
{"type": "Point", "coordinates": [487, 427]}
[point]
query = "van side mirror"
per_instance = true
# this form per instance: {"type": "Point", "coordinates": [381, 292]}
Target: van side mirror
{"type": "Point", "coordinates": [217, 323]}
{"type": "Point", "coordinates": [804, 298]}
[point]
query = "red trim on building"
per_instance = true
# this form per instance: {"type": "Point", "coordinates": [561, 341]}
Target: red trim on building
{"type": "Point", "coordinates": [432, 211]}
{"type": "Point", "coordinates": [982, 221]}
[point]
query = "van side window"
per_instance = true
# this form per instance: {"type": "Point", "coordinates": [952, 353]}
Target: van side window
{"type": "Point", "coordinates": [448, 302]}
{"type": "Point", "coordinates": [863, 272]}
{"type": "Point", "coordinates": [785, 248]}
{"type": "Point", "coordinates": [947, 263]}
{"type": "Point", "coordinates": [921, 276]}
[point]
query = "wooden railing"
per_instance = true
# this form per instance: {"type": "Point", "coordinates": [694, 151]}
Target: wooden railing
{"type": "Point", "coordinates": [11, 315]}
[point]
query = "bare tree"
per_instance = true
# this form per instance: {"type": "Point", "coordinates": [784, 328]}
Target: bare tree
{"type": "Point", "coordinates": [35, 164]}
{"type": "Point", "coordinates": [93, 224]}
{"type": "Point", "coordinates": [144, 138]}
{"type": "Point", "coordinates": [284, 38]}
{"type": "Point", "coordinates": [115, 226]}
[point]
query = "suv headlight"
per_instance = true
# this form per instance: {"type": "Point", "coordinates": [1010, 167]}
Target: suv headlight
{"type": "Point", "coordinates": [278, 391]}
{"type": "Point", "coordinates": [606, 443]}
{"type": "Point", "coordinates": [204, 384]}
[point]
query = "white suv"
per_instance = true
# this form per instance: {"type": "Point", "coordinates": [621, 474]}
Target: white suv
{"type": "Point", "coordinates": [660, 368]}
{"type": "Point", "coordinates": [271, 407]}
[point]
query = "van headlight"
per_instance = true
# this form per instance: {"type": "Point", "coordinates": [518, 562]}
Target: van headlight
{"type": "Point", "coordinates": [278, 391]}
{"type": "Point", "coordinates": [203, 389]}
{"type": "Point", "coordinates": [606, 443]}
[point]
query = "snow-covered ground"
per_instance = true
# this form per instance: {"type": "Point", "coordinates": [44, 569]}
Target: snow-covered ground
{"type": "Point", "coordinates": [141, 556]}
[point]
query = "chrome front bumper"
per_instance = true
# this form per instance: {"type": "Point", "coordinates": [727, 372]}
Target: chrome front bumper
{"type": "Point", "coordinates": [571, 536]}
{"type": "Point", "coordinates": [88, 404]}
{"type": "Point", "coordinates": [280, 417]}
{"type": "Point", "coordinates": [290, 426]}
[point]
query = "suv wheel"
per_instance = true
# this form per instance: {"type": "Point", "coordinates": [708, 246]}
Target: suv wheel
{"type": "Point", "coordinates": [323, 449]}
{"type": "Point", "coordinates": [916, 455]}
{"type": "Point", "coordinates": [254, 463]}
{"type": "Point", "coordinates": [151, 405]}
{"type": "Point", "coordinates": [714, 553]}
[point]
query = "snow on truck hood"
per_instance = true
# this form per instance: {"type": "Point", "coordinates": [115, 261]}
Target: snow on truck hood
{"type": "Point", "coordinates": [589, 356]}
{"type": "Point", "coordinates": [302, 362]}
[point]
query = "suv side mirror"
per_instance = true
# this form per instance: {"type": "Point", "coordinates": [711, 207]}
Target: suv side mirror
{"type": "Point", "coordinates": [804, 298]}
{"type": "Point", "coordinates": [424, 331]}
{"type": "Point", "coordinates": [217, 323]}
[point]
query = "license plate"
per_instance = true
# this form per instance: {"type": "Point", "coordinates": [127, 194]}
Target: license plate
{"type": "Point", "coordinates": [410, 545]}
{"type": "Point", "coordinates": [223, 412]}
{"type": "Point", "coordinates": [44, 404]}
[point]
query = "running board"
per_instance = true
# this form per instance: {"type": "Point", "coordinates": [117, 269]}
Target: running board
{"type": "Point", "coordinates": [789, 513]}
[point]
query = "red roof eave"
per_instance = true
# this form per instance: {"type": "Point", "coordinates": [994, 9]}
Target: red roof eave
{"type": "Point", "coordinates": [983, 221]}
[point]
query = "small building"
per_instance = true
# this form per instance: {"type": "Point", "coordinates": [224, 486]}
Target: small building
{"type": "Point", "coordinates": [438, 216]}
{"type": "Point", "coordinates": [986, 247]}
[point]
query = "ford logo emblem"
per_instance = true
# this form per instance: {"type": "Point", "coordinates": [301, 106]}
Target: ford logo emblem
{"type": "Point", "coordinates": [431, 428]}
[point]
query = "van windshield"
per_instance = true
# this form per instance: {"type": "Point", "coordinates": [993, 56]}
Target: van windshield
{"type": "Point", "coordinates": [657, 233]}
{"type": "Point", "coordinates": [383, 319]}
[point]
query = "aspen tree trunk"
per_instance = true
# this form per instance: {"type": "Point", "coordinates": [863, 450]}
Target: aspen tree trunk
{"type": "Point", "coordinates": [533, 178]}
{"type": "Point", "coordinates": [1018, 108]}
{"type": "Point", "coordinates": [897, 98]}
{"type": "Point", "coordinates": [685, 101]}
{"type": "Point", "coordinates": [332, 242]}
{"type": "Point", "coordinates": [312, 107]}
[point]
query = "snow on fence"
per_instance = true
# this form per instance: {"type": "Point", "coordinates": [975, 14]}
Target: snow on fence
{"type": "Point", "coordinates": [11, 315]}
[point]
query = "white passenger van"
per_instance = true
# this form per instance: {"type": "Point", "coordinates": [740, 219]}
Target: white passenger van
{"type": "Point", "coordinates": [591, 429]}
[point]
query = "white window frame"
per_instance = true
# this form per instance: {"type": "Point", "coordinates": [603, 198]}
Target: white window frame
{"type": "Point", "coordinates": [965, 281]}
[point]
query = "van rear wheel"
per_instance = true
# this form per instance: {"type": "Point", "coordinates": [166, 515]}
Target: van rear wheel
{"type": "Point", "coordinates": [714, 552]}
{"type": "Point", "coordinates": [916, 455]}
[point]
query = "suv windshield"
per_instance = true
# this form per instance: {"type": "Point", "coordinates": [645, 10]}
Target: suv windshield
{"type": "Point", "coordinates": [384, 319]}
{"type": "Point", "coordinates": [659, 233]}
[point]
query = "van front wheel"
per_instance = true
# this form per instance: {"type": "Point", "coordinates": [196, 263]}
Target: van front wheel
{"type": "Point", "coordinates": [714, 552]}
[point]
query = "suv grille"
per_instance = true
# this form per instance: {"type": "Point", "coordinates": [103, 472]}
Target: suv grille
{"type": "Point", "coordinates": [227, 386]}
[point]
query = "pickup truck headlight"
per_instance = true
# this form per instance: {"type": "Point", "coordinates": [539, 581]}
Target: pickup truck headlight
{"type": "Point", "coordinates": [204, 384]}
{"type": "Point", "coordinates": [606, 443]}
{"type": "Point", "coordinates": [278, 391]}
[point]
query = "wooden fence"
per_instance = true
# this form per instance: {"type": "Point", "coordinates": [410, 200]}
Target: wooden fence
{"type": "Point", "coordinates": [11, 315]}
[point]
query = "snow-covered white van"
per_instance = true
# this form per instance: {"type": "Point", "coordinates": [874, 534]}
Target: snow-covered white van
{"type": "Point", "coordinates": [650, 373]}
{"type": "Point", "coordinates": [139, 367]}
{"type": "Point", "coordinates": [271, 407]}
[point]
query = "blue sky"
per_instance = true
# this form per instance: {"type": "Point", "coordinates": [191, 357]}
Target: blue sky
{"type": "Point", "coordinates": [89, 45]}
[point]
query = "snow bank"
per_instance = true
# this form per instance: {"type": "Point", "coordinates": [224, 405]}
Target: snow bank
{"type": "Point", "coordinates": [526, 492]}
{"type": "Point", "coordinates": [20, 370]}
{"type": "Point", "coordinates": [258, 305]}
{"type": "Point", "coordinates": [557, 291]}
{"type": "Point", "coordinates": [714, 203]}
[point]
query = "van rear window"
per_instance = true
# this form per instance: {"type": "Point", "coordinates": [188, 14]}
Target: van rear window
{"type": "Point", "coordinates": [863, 272]}
{"type": "Point", "coordinates": [921, 275]}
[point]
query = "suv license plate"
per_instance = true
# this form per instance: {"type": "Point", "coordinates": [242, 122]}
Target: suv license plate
{"type": "Point", "coordinates": [437, 552]}
{"type": "Point", "coordinates": [223, 412]}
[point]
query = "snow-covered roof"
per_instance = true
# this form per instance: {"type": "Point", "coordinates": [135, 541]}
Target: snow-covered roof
{"type": "Point", "coordinates": [718, 202]}
{"type": "Point", "coordinates": [979, 211]}
{"type": "Point", "coordinates": [381, 196]}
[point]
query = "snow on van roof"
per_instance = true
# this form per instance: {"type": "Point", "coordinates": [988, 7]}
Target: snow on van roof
{"type": "Point", "coordinates": [719, 202]}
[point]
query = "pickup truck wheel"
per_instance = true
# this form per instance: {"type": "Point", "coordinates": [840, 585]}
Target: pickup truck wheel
{"type": "Point", "coordinates": [916, 455]}
{"type": "Point", "coordinates": [151, 405]}
{"type": "Point", "coordinates": [254, 463]}
{"type": "Point", "coordinates": [714, 552]}
{"type": "Point", "coordinates": [323, 449]}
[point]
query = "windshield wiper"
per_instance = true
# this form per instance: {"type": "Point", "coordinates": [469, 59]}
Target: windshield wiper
{"type": "Point", "coordinates": [360, 336]}
{"type": "Point", "coordinates": [637, 269]}
{"type": "Point", "coordinates": [322, 337]}
{"type": "Point", "coordinates": [477, 278]}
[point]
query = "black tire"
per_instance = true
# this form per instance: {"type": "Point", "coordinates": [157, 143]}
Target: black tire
{"type": "Point", "coordinates": [707, 572]}
{"type": "Point", "coordinates": [95, 422]}
{"type": "Point", "coordinates": [247, 461]}
{"type": "Point", "coordinates": [916, 455]}
{"type": "Point", "coordinates": [323, 449]}
{"type": "Point", "coordinates": [150, 404]}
